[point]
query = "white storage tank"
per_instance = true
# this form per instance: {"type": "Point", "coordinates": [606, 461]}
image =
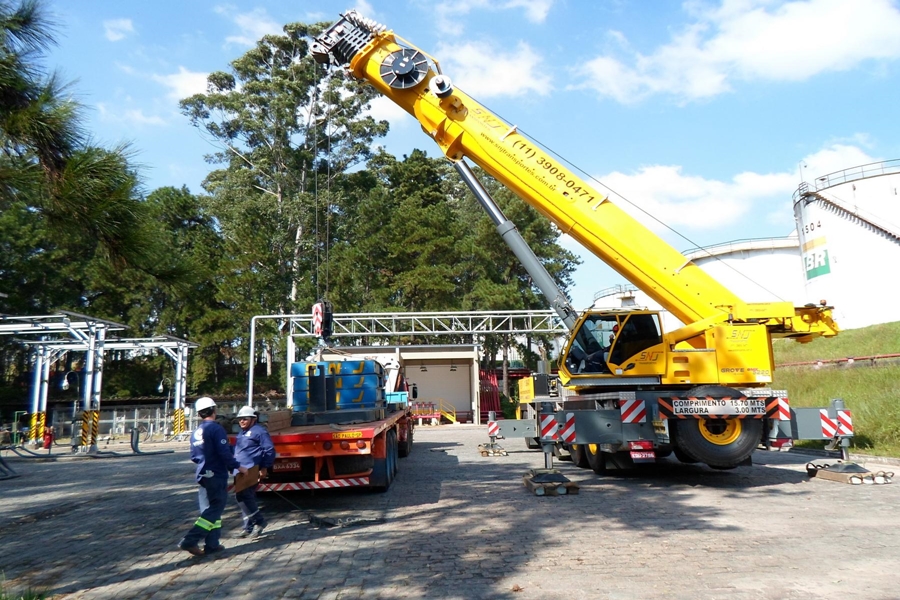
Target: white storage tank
{"type": "Point", "coordinates": [756, 270]}
{"type": "Point", "coordinates": [849, 230]}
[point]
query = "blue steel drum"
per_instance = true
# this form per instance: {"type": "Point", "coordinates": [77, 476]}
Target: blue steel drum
{"type": "Point", "coordinates": [357, 367]}
{"type": "Point", "coordinates": [300, 369]}
{"type": "Point", "coordinates": [359, 398]}
{"type": "Point", "coordinates": [300, 401]}
{"type": "Point", "coordinates": [357, 382]}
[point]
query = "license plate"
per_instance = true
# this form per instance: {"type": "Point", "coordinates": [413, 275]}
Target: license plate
{"type": "Point", "coordinates": [286, 466]}
{"type": "Point", "coordinates": [643, 455]}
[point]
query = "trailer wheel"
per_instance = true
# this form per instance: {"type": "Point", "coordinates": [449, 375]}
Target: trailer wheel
{"type": "Point", "coordinates": [391, 442]}
{"type": "Point", "coordinates": [595, 459]}
{"type": "Point", "coordinates": [720, 443]}
{"type": "Point", "coordinates": [405, 448]}
{"type": "Point", "coordinates": [384, 468]}
{"type": "Point", "coordinates": [579, 456]}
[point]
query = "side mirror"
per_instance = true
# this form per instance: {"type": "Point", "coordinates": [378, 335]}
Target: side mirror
{"type": "Point", "coordinates": [414, 392]}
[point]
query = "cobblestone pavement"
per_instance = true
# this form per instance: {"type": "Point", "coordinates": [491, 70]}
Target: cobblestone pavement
{"type": "Point", "coordinates": [457, 526]}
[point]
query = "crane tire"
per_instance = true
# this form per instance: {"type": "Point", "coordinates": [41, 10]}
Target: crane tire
{"type": "Point", "coordinates": [595, 459]}
{"type": "Point", "coordinates": [682, 457]}
{"type": "Point", "coordinates": [579, 456]}
{"type": "Point", "coordinates": [720, 443]}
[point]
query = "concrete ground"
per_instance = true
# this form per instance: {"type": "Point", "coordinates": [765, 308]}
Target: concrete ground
{"type": "Point", "coordinates": [456, 525]}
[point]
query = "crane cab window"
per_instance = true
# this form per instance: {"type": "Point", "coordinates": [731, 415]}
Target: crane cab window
{"type": "Point", "coordinates": [637, 333]}
{"type": "Point", "coordinates": [591, 344]}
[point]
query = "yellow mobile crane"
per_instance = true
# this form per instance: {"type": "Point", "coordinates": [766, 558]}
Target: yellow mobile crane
{"type": "Point", "coordinates": [640, 392]}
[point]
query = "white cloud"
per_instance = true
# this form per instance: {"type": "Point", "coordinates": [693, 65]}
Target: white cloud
{"type": "Point", "coordinates": [447, 13]}
{"type": "Point", "coordinates": [138, 117]}
{"type": "Point", "coordinates": [184, 83]}
{"type": "Point", "coordinates": [382, 108]}
{"type": "Point", "coordinates": [364, 8]}
{"type": "Point", "coordinates": [117, 29]}
{"type": "Point", "coordinates": [681, 201]}
{"type": "Point", "coordinates": [505, 74]}
{"type": "Point", "coordinates": [253, 25]}
{"type": "Point", "coordinates": [132, 116]}
{"type": "Point", "coordinates": [836, 157]}
{"type": "Point", "coordinates": [750, 40]}
{"type": "Point", "coordinates": [690, 203]}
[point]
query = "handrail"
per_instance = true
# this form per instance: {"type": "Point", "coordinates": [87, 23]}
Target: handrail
{"type": "Point", "coordinates": [885, 167]}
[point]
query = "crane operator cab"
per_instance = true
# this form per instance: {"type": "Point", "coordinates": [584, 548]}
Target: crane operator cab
{"type": "Point", "coordinates": [615, 343]}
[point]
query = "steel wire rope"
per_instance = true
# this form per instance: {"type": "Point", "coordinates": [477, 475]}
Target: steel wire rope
{"type": "Point", "coordinates": [614, 192]}
{"type": "Point", "coordinates": [315, 150]}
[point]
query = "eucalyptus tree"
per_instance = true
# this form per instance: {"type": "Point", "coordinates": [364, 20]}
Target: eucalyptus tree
{"type": "Point", "coordinates": [398, 246]}
{"type": "Point", "coordinates": [286, 129]}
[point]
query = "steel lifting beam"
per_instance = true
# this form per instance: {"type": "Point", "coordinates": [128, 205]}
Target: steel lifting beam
{"type": "Point", "coordinates": [387, 325]}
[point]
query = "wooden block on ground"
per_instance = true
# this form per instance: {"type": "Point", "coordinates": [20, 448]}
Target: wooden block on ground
{"type": "Point", "coordinates": [549, 482]}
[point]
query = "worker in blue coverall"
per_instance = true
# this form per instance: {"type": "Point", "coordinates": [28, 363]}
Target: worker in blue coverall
{"type": "Point", "coordinates": [253, 448]}
{"type": "Point", "coordinates": [215, 461]}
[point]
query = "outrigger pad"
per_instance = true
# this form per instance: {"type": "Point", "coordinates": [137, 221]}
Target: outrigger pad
{"type": "Point", "coordinates": [549, 482]}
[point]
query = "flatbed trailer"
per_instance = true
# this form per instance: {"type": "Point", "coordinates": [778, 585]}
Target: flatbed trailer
{"type": "Point", "coordinates": [333, 455]}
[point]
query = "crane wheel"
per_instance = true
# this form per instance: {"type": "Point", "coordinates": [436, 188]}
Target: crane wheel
{"type": "Point", "coordinates": [682, 457]}
{"type": "Point", "coordinates": [720, 443]}
{"type": "Point", "coordinates": [595, 459]}
{"type": "Point", "coordinates": [579, 456]}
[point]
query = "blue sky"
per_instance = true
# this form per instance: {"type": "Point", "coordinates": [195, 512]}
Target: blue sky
{"type": "Point", "coordinates": [702, 114]}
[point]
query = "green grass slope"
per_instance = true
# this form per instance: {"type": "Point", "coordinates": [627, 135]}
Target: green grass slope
{"type": "Point", "coordinates": [872, 393]}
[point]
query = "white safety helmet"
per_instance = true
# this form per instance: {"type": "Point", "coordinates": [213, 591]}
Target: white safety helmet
{"type": "Point", "coordinates": [246, 411]}
{"type": "Point", "coordinates": [204, 403]}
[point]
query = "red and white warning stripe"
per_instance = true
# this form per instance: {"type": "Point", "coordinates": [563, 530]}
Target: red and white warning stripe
{"type": "Point", "coordinates": [493, 428]}
{"type": "Point", "coordinates": [633, 411]}
{"type": "Point", "coordinates": [313, 485]}
{"type": "Point", "coordinates": [568, 431]}
{"type": "Point", "coordinates": [549, 427]}
{"type": "Point", "coordinates": [783, 410]}
{"type": "Point", "coordinates": [844, 422]}
{"type": "Point", "coordinates": [829, 425]}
